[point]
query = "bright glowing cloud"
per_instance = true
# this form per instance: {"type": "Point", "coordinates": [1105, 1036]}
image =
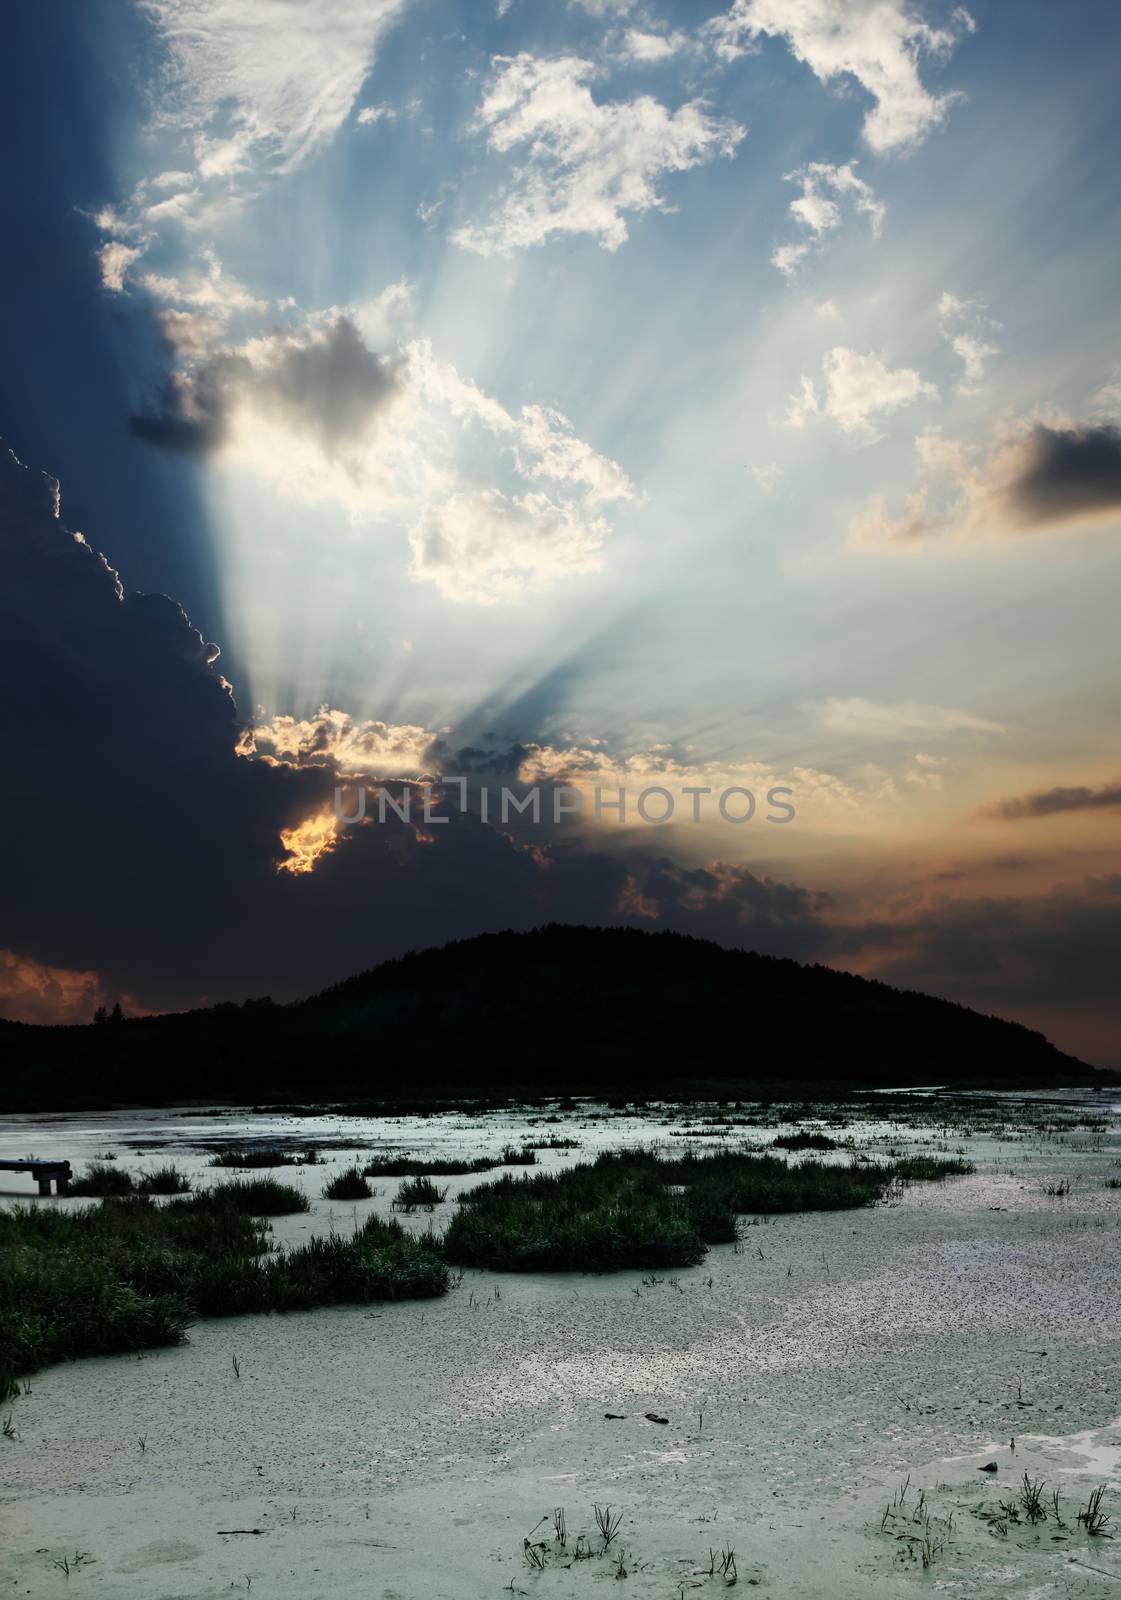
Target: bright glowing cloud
{"type": "Point", "coordinates": [878, 42]}
{"type": "Point", "coordinates": [485, 546]}
{"type": "Point", "coordinates": [856, 389]}
{"type": "Point", "coordinates": [353, 748]}
{"type": "Point", "coordinates": [320, 417]}
{"type": "Point", "coordinates": [589, 163]}
{"type": "Point", "coordinates": [307, 843]}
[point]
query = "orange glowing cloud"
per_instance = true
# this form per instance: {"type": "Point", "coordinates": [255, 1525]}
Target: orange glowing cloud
{"type": "Point", "coordinates": [31, 992]}
{"type": "Point", "coordinates": [308, 842]}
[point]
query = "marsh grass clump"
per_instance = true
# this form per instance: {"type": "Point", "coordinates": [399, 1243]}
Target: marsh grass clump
{"type": "Point", "coordinates": [245, 1160]}
{"type": "Point", "coordinates": [349, 1184]}
{"type": "Point", "coordinates": [98, 1280]}
{"type": "Point", "coordinates": [414, 1167]}
{"type": "Point", "coordinates": [257, 1197]}
{"type": "Point", "coordinates": [584, 1219]}
{"type": "Point", "coordinates": [379, 1262]}
{"type": "Point", "coordinates": [101, 1181]}
{"type": "Point", "coordinates": [1094, 1519]}
{"type": "Point", "coordinates": [419, 1194]}
{"type": "Point", "coordinates": [1031, 1499]}
{"type": "Point", "coordinates": [131, 1275]}
{"type": "Point", "coordinates": [803, 1141]}
{"type": "Point", "coordinates": [513, 1157]}
{"type": "Point", "coordinates": [928, 1169]}
{"type": "Point", "coordinates": [607, 1521]}
{"type": "Point", "coordinates": [637, 1209]}
{"type": "Point", "coordinates": [163, 1180]}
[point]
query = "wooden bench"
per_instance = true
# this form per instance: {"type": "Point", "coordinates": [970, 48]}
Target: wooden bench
{"type": "Point", "coordinates": [43, 1172]}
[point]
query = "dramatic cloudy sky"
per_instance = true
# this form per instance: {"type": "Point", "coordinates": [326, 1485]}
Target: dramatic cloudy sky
{"type": "Point", "coordinates": [560, 392]}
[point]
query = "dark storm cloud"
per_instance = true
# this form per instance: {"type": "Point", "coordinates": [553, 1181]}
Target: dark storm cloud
{"type": "Point", "coordinates": [121, 782]}
{"type": "Point", "coordinates": [144, 848]}
{"type": "Point", "coordinates": [727, 902]}
{"type": "Point", "coordinates": [1068, 473]}
{"type": "Point", "coordinates": [325, 382]}
{"type": "Point", "coordinates": [142, 851]}
{"type": "Point", "coordinates": [1052, 952]}
{"type": "Point", "coordinates": [1053, 802]}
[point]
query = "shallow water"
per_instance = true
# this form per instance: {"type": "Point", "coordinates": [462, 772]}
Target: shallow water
{"type": "Point", "coordinates": [407, 1450]}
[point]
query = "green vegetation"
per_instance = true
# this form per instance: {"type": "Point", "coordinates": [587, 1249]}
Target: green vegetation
{"type": "Point", "coordinates": [256, 1197]}
{"type": "Point", "coordinates": [349, 1184]}
{"type": "Point", "coordinates": [804, 1141]}
{"type": "Point", "coordinates": [129, 1275]}
{"type": "Point", "coordinates": [245, 1159]}
{"type": "Point", "coordinates": [407, 1166]}
{"type": "Point", "coordinates": [414, 1167]}
{"type": "Point", "coordinates": [417, 1193]}
{"type": "Point", "coordinates": [100, 1180]}
{"type": "Point", "coordinates": [929, 1169]}
{"type": "Point", "coordinates": [634, 1209]}
{"type": "Point", "coordinates": [163, 1180]}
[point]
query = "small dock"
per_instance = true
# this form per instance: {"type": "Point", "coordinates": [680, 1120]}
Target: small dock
{"type": "Point", "coordinates": [44, 1172]}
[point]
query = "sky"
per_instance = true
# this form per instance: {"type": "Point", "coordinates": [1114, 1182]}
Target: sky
{"type": "Point", "coordinates": [560, 395]}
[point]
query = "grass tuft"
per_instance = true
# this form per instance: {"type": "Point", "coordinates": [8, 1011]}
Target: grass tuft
{"type": "Point", "coordinates": [349, 1184]}
{"type": "Point", "coordinates": [414, 1167]}
{"type": "Point", "coordinates": [418, 1193]}
{"type": "Point", "coordinates": [164, 1180]}
{"type": "Point", "coordinates": [101, 1181]}
{"type": "Point", "coordinates": [256, 1197]}
{"type": "Point", "coordinates": [243, 1160]}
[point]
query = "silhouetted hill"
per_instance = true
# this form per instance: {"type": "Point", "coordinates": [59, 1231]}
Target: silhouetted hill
{"type": "Point", "coordinates": [561, 1008]}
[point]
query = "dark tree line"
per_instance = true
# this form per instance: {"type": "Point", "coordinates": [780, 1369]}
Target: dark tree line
{"type": "Point", "coordinates": [560, 1009]}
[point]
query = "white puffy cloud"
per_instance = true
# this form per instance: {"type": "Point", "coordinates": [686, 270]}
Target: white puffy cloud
{"type": "Point", "coordinates": [877, 42]}
{"type": "Point", "coordinates": [205, 288]}
{"type": "Point", "coordinates": [114, 259]}
{"type": "Point", "coordinates": [588, 163]}
{"type": "Point", "coordinates": [542, 439]}
{"type": "Point", "coordinates": [856, 388]}
{"type": "Point", "coordinates": [639, 45]}
{"type": "Point", "coordinates": [965, 328]}
{"type": "Point", "coordinates": [825, 188]}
